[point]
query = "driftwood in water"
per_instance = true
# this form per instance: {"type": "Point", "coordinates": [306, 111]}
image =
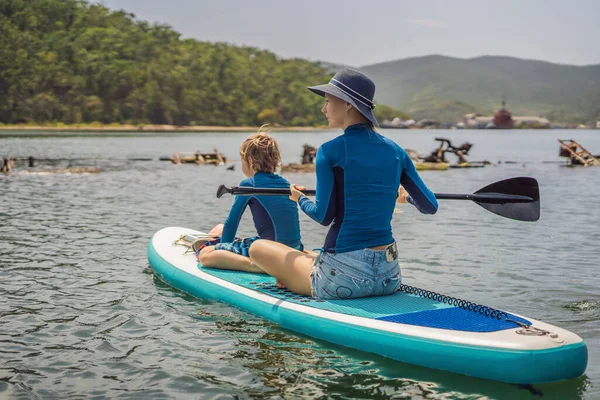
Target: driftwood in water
{"type": "Point", "coordinates": [576, 154]}
{"type": "Point", "coordinates": [8, 165]}
{"type": "Point", "coordinates": [307, 165]}
{"type": "Point", "coordinates": [298, 168]}
{"type": "Point", "coordinates": [438, 156]}
{"type": "Point", "coordinates": [216, 158]}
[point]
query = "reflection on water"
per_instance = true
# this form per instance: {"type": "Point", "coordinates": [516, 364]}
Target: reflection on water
{"type": "Point", "coordinates": [81, 313]}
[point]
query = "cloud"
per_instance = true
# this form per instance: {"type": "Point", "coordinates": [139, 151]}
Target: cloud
{"type": "Point", "coordinates": [427, 23]}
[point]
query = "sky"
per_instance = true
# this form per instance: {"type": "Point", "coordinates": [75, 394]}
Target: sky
{"type": "Point", "coordinates": [358, 33]}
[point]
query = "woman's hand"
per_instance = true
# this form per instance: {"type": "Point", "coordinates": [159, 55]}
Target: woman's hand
{"type": "Point", "coordinates": [402, 195]}
{"type": "Point", "coordinates": [296, 192]}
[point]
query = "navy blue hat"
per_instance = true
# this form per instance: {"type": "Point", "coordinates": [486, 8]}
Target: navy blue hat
{"type": "Point", "coordinates": [353, 87]}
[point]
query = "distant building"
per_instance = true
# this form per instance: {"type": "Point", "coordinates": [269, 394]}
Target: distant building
{"type": "Point", "coordinates": [535, 122]}
{"type": "Point", "coordinates": [597, 124]}
{"type": "Point", "coordinates": [477, 121]}
{"type": "Point", "coordinates": [503, 117]}
{"type": "Point", "coordinates": [398, 123]}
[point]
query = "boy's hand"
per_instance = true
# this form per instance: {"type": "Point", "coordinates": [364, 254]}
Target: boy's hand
{"type": "Point", "coordinates": [402, 195]}
{"type": "Point", "coordinates": [296, 192]}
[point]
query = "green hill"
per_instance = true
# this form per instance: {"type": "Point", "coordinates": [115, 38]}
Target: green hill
{"type": "Point", "coordinates": [74, 61]}
{"type": "Point", "coordinates": [446, 88]}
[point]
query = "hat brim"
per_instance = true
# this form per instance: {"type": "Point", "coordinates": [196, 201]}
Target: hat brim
{"type": "Point", "coordinates": [321, 90]}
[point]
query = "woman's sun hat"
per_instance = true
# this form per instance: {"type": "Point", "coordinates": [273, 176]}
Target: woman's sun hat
{"type": "Point", "coordinates": [353, 87]}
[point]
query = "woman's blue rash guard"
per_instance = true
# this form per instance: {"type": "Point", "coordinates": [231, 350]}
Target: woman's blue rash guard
{"type": "Point", "coordinates": [358, 175]}
{"type": "Point", "coordinates": [275, 217]}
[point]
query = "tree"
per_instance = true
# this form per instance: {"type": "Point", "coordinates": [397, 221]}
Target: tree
{"type": "Point", "coordinates": [73, 61]}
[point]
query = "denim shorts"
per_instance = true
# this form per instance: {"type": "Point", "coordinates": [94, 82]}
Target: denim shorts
{"type": "Point", "coordinates": [359, 273]}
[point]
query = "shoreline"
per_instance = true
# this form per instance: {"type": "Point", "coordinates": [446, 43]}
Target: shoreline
{"type": "Point", "coordinates": [133, 130]}
{"type": "Point", "coordinates": [114, 128]}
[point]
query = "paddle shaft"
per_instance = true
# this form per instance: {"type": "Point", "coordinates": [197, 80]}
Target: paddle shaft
{"type": "Point", "coordinates": [497, 198]}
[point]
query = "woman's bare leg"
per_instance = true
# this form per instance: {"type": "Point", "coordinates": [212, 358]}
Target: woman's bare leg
{"type": "Point", "coordinates": [289, 266]}
{"type": "Point", "coordinates": [223, 259]}
{"type": "Point", "coordinates": [308, 252]}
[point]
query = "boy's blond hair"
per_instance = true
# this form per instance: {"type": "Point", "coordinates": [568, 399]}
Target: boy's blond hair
{"type": "Point", "coordinates": [261, 152]}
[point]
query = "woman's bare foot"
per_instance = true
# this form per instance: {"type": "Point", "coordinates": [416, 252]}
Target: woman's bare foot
{"type": "Point", "coordinates": [217, 230]}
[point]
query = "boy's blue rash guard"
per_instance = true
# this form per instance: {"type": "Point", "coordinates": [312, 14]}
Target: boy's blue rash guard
{"type": "Point", "coordinates": [358, 175]}
{"type": "Point", "coordinates": [275, 217]}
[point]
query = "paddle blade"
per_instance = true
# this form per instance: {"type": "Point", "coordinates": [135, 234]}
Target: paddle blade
{"type": "Point", "coordinates": [525, 187]}
{"type": "Point", "coordinates": [518, 211]}
{"type": "Point", "coordinates": [520, 186]}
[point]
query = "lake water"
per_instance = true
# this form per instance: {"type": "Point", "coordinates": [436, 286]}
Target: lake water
{"type": "Point", "coordinates": [82, 315]}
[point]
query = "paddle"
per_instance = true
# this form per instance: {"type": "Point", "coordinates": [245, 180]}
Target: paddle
{"type": "Point", "coordinates": [514, 198]}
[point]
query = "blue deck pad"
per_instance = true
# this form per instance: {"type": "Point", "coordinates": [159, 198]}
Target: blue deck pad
{"type": "Point", "coordinates": [401, 307]}
{"type": "Point", "coordinates": [368, 307]}
{"type": "Point", "coordinates": [457, 319]}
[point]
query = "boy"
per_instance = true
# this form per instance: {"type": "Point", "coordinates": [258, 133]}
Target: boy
{"type": "Point", "coordinates": [275, 217]}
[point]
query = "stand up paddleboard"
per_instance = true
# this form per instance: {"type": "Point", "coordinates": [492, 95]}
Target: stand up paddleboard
{"type": "Point", "coordinates": [413, 325]}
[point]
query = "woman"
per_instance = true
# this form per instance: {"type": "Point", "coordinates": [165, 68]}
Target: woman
{"type": "Point", "coordinates": [358, 182]}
